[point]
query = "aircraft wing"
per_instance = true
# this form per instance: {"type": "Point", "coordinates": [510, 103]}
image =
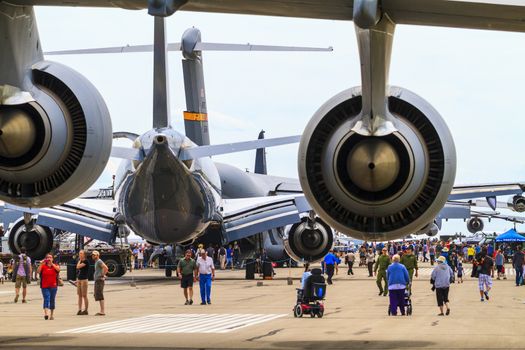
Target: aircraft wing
{"type": "Point", "coordinates": [463, 192]}
{"type": "Point", "coordinates": [507, 15]}
{"type": "Point", "coordinates": [78, 216]}
{"type": "Point", "coordinates": [248, 216]}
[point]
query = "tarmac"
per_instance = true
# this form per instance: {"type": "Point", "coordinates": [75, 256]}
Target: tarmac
{"type": "Point", "coordinates": [145, 310]}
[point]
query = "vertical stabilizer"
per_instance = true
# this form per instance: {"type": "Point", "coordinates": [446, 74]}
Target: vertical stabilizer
{"type": "Point", "coordinates": [195, 116]}
{"type": "Point", "coordinates": [260, 158]}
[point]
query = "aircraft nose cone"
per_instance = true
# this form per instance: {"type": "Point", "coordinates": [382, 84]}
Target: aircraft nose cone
{"type": "Point", "coordinates": [163, 203]}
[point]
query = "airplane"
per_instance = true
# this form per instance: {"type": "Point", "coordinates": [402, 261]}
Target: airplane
{"type": "Point", "coordinates": [167, 188]}
{"type": "Point", "coordinates": [375, 162]}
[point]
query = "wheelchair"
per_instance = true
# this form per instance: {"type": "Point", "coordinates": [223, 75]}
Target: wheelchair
{"type": "Point", "coordinates": [309, 299]}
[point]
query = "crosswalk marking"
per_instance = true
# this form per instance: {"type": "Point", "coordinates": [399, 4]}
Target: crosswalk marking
{"type": "Point", "coordinates": [179, 323]}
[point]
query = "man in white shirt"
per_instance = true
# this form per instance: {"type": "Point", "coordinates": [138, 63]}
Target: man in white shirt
{"type": "Point", "coordinates": [206, 276]}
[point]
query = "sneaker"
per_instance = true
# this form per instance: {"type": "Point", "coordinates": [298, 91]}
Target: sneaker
{"type": "Point", "coordinates": [187, 302]}
{"type": "Point", "coordinates": [79, 312]}
{"type": "Point", "coordinates": [85, 312]}
{"type": "Point", "coordinates": [51, 318]}
{"type": "Point", "coordinates": [209, 302]}
{"type": "Point", "coordinates": [380, 292]}
{"type": "Point", "coordinates": [191, 302]}
{"type": "Point", "coordinates": [482, 299]}
{"type": "Point", "coordinates": [16, 299]}
{"type": "Point", "coordinates": [486, 295]}
{"type": "Point", "coordinates": [24, 301]}
{"type": "Point", "coordinates": [385, 294]}
{"type": "Point", "coordinates": [441, 314]}
{"type": "Point", "coordinates": [448, 312]}
{"type": "Point", "coordinates": [203, 303]}
{"type": "Point", "coordinates": [46, 317]}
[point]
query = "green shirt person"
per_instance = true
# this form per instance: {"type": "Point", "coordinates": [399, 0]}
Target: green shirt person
{"type": "Point", "coordinates": [380, 267]}
{"type": "Point", "coordinates": [187, 271]}
{"type": "Point", "coordinates": [410, 261]}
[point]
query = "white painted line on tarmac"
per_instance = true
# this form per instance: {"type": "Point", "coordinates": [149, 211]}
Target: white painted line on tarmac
{"type": "Point", "coordinates": [178, 323]}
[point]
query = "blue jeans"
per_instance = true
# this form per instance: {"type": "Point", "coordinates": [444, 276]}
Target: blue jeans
{"type": "Point", "coordinates": [205, 287]}
{"type": "Point", "coordinates": [519, 275]}
{"type": "Point", "coordinates": [49, 295]}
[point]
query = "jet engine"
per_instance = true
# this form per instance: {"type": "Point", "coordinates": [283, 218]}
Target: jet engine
{"type": "Point", "coordinates": [517, 203]}
{"type": "Point", "coordinates": [38, 240]}
{"type": "Point", "coordinates": [377, 187]}
{"type": "Point", "coordinates": [309, 240]}
{"type": "Point", "coordinates": [475, 225]}
{"type": "Point", "coordinates": [430, 230]}
{"type": "Point", "coordinates": [57, 142]}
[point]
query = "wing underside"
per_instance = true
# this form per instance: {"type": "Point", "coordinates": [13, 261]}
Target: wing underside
{"type": "Point", "coordinates": [508, 15]}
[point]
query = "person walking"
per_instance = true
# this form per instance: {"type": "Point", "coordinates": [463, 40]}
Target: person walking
{"type": "Point", "coordinates": [82, 282]}
{"type": "Point", "coordinates": [460, 271]}
{"type": "Point", "coordinates": [329, 262]}
{"type": "Point", "coordinates": [432, 254]}
{"type": "Point", "coordinates": [500, 262]}
{"type": "Point", "coordinates": [518, 259]}
{"type": "Point", "coordinates": [236, 254]}
{"type": "Point", "coordinates": [49, 272]}
{"type": "Point", "coordinates": [140, 258]}
{"type": "Point", "coordinates": [350, 258]}
{"type": "Point", "coordinates": [222, 257]}
{"type": "Point", "coordinates": [101, 271]}
{"type": "Point", "coordinates": [229, 256]}
{"type": "Point", "coordinates": [441, 277]}
{"type": "Point", "coordinates": [398, 280]}
{"type": "Point", "coordinates": [206, 274]}
{"type": "Point", "coordinates": [382, 263]}
{"type": "Point", "coordinates": [2, 276]}
{"type": "Point", "coordinates": [410, 261]}
{"type": "Point", "coordinates": [370, 260]}
{"type": "Point", "coordinates": [187, 271]}
{"type": "Point", "coordinates": [21, 274]}
{"type": "Point", "coordinates": [486, 272]}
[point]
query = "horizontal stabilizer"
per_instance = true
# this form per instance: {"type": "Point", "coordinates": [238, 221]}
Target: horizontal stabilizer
{"type": "Point", "coordinates": [213, 150]}
{"type": "Point", "coordinates": [177, 47]}
{"type": "Point", "coordinates": [126, 153]}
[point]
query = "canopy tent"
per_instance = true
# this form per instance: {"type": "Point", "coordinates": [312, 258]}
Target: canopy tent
{"type": "Point", "coordinates": [510, 236]}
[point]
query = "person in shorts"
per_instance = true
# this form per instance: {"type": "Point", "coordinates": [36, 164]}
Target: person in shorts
{"type": "Point", "coordinates": [101, 270]}
{"type": "Point", "coordinates": [187, 271]}
{"type": "Point", "coordinates": [21, 274]}
{"type": "Point", "coordinates": [82, 282]}
{"type": "Point", "coordinates": [485, 274]}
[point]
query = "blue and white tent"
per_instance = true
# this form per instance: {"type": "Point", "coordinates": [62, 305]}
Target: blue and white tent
{"type": "Point", "coordinates": [510, 236]}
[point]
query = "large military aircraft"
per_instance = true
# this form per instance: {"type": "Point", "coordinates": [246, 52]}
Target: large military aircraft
{"type": "Point", "coordinates": [168, 190]}
{"type": "Point", "coordinates": [375, 162]}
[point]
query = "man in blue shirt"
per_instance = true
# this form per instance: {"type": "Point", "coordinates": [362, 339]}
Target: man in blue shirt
{"type": "Point", "coordinates": [398, 280]}
{"type": "Point", "coordinates": [329, 262]}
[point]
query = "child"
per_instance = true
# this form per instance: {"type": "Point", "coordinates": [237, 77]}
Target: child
{"type": "Point", "coordinates": [460, 271]}
{"type": "Point", "coordinates": [2, 278]}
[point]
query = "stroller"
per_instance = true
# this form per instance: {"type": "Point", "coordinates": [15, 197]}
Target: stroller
{"type": "Point", "coordinates": [309, 298]}
{"type": "Point", "coordinates": [408, 303]}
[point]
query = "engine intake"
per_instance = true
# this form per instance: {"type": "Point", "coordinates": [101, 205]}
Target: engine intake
{"type": "Point", "coordinates": [377, 188]}
{"type": "Point", "coordinates": [309, 240]}
{"type": "Point", "coordinates": [517, 203]}
{"type": "Point", "coordinates": [475, 225]}
{"type": "Point", "coordinates": [36, 239]}
{"type": "Point", "coordinates": [54, 148]}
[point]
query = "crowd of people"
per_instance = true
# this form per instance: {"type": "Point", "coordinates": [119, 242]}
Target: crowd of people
{"type": "Point", "coordinates": [395, 264]}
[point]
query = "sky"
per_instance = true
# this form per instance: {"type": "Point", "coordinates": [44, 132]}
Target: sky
{"type": "Point", "coordinates": [473, 78]}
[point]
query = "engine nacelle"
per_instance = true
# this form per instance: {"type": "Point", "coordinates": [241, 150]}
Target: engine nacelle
{"type": "Point", "coordinates": [430, 230]}
{"type": "Point", "coordinates": [517, 203]}
{"type": "Point", "coordinates": [37, 240]}
{"type": "Point", "coordinates": [475, 225]}
{"type": "Point", "coordinates": [54, 147]}
{"type": "Point", "coordinates": [308, 240]}
{"type": "Point", "coordinates": [377, 188]}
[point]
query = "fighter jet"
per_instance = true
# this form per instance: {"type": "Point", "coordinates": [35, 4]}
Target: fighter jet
{"type": "Point", "coordinates": [376, 162]}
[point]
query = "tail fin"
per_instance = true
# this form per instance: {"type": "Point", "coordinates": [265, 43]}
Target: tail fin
{"type": "Point", "coordinates": [260, 158]}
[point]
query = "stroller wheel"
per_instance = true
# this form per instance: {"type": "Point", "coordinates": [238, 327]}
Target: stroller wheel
{"type": "Point", "coordinates": [320, 313]}
{"type": "Point", "coordinates": [298, 311]}
{"type": "Point", "coordinates": [312, 314]}
{"type": "Point", "coordinates": [389, 313]}
{"type": "Point", "coordinates": [409, 310]}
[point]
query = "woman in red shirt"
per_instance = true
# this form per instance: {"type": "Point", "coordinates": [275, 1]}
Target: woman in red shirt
{"type": "Point", "coordinates": [48, 283]}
